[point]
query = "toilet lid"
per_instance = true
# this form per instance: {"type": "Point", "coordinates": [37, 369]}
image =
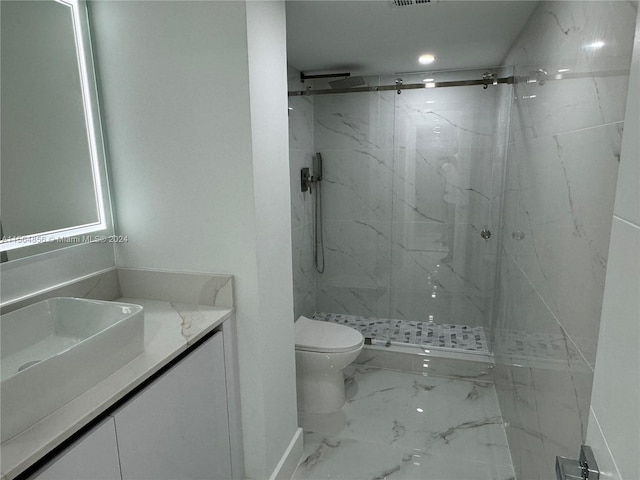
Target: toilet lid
{"type": "Point", "coordinates": [319, 336]}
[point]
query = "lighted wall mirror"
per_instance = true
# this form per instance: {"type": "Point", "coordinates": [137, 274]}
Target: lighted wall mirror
{"type": "Point", "coordinates": [53, 182]}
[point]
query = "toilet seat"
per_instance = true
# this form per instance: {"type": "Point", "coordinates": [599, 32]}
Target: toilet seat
{"type": "Point", "coordinates": [325, 337]}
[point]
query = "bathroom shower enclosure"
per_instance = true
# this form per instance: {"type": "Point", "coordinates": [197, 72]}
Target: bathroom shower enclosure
{"type": "Point", "coordinates": [412, 188]}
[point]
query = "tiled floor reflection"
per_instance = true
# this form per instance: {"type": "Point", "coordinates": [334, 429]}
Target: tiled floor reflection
{"type": "Point", "coordinates": [398, 425]}
{"type": "Point", "coordinates": [408, 332]}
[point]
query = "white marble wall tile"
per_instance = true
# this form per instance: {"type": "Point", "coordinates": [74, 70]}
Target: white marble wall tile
{"type": "Point", "coordinates": [542, 380]}
{"type": "Point", "coordinates": [303, 268]}
{"type": "Point", "coordinates": [356, 253]}
{"type": "Point", "coordinates": [527, 452]}
{"type": "Point", "coordinates": [356, 184]}
{"type": "Point", "coordinates": [627, 205]}
{"type": "Point", "coordinates": [566, 201]}
{"type": "Point", "coordinates": [615, 398]}
{"type": "Point", "coordinates": [354, 122]}
{"type": "Point", "coordinates": [425, 268]}
{"type": "Point", "coordinates": [523, 309]}
{"type": "Point", "coordinates": [419, 236]}
{"type": "Point", "coordinates": [614, 419]}
{"type": "Point", "coordinates": [421, 305]}
{"type": "Point", "coordinates": [421, 258]}
{"type": "Point", "coordinates": [419, 183]}
{"type": "Point", "coordinates": [445, 118]}
{"type": "Point", "coordinates": [597, 441]}
{"type": "Point", "coordinates": [557, 33]}
{"type": "Point", "coordinates": [528, 444]}
{"type": "Point", "coordinates": [301, 123]}
{"type": "Point", "coordinates": [354, 300]}
{"type": "Point", "coordinates": [567, 105]}
{"type": "Point", "coordinates": [305, 304]}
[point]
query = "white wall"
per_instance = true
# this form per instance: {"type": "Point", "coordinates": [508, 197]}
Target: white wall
{"type": "Point", "coordinates": [614, 421]}
{"type": "Point", "coordinates": [271, 332]}
{"type": "Point", "coordinates": [194, 97]}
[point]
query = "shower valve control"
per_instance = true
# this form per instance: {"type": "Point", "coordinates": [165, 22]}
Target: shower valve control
{"type": "Point", "coordinates": [486, 234]}
{"type": "Point", "coordinates": [306, 180]}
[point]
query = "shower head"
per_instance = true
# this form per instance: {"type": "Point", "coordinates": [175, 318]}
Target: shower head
{"type": "Point", "coordinates": [348, 82]}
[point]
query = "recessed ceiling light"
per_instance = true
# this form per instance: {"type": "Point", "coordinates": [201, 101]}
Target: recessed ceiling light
{"type": "Point", "coordinates": [426, 59]}
{"type": "Point", "coordinates": [428, 80]}
{"type": "Point", "coordinates": [597, 44]}
{"type": "Point", "coordinates": [562, 70]}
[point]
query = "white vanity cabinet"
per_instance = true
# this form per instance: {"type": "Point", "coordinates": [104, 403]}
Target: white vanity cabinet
{"type": "Point", "coordinates": [94, 456]}
{"type": "Point", "coordinates": [178, 427]}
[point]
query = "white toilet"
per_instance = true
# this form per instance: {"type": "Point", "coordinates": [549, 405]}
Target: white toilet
{"type": "Point", "coordinates": [323, 350]}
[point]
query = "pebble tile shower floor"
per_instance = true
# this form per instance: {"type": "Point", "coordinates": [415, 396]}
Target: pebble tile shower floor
{"type": "Point", "coordinates": [408, 332]}
{"type": "Point", "coordinates": [405, 426]}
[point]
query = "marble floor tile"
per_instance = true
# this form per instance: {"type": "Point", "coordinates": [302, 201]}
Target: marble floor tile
{"type": "Point", "coordinates": [346, 459]}
{"type": "Point", "coordinates": [417, 466]}
{"type": "Point", "coordinates": [405, 426]}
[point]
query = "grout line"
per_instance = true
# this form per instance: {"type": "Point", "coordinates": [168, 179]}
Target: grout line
{"type": "Point", "coordinates": [585, 129]}
{"type": "Point", "coordinates": [606, 444]}
{"type": "Point", "coordinates": [564, 330]}
{"type": "Point", "coordinates": [628, 222]}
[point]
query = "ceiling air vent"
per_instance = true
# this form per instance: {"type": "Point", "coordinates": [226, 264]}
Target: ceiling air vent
{"type": "Point", "coordinates": [404, 3]}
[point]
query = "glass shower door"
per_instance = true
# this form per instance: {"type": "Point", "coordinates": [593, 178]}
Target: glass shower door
{"type": "Point", "coordinates": [354, 133]}
{"type": "Point", "coordinates": [447, 187]}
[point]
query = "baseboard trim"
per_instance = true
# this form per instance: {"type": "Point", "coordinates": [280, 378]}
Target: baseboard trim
{"type": "Point", "coordinates": [290, 459]}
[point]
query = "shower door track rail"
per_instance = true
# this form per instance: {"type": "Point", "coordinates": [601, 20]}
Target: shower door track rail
{"type": "Point", "coordinates": [540, 77]}
{"type": "Point", "coordinates": [408, 86]}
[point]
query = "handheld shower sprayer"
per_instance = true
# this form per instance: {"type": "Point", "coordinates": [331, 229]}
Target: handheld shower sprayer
{"type": "Point", "coordinates": [317, 166]}
{"type": "Point", "coordinates": [318, 240]}
{"type": "Point", "coordinates": [307, 179]}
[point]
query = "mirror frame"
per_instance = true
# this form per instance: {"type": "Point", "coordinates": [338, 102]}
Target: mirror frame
{"type": "Point", "coordinates": [78, 233]}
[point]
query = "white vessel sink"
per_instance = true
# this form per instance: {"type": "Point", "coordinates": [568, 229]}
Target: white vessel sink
{"type": "Point", "coordinates": [55, 350]}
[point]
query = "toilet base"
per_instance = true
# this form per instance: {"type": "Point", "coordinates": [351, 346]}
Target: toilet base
{"type": "Point", "coordinates": [320, 392]}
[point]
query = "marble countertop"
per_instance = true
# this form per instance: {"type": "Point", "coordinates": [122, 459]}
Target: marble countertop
{"type": "Point", "coordinates": [170, 329]}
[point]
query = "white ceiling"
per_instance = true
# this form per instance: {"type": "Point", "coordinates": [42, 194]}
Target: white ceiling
{"type": "Point", "coordinates": [375, 36]}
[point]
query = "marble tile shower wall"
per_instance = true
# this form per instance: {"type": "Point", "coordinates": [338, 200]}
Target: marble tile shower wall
{"type": "Point", "coordinates": [301, 150]}
{"type": "Point", "coordinates": [562, 169]}
{"type": "Point", "coordinates": [387, 245]}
